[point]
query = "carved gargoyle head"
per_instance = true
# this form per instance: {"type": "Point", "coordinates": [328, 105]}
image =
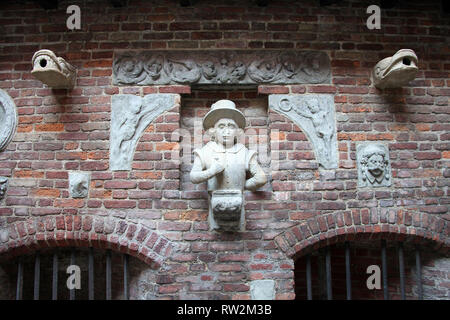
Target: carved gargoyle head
{"type": "Point", "coordinates": [374, 164]}
{"type": "Point", "coordinates": [396, 71]}
{"type": "Point", "coordinates": [52, 70]}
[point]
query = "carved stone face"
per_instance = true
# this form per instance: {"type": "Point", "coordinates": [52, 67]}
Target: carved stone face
{"type": "Point", "coordinates": [225, 132]}
{"type": "Point", "coordinates": [376, 165]}
{"type": "Point", "coordinates": [313, 105]}
{"type": "Point", "coordinates": [374, 168]}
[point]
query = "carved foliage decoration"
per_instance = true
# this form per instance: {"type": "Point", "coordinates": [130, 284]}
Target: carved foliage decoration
{"type": "Point", "coordinates": [130, 115]}
{"type": "Point", "coordinates": [315, 115]}
{"type": "Point", "coordinates": [8, 119]}
{"type": "Point", "coordinates": [220, 67]}
{"type": "Point", "coordinates": [374, 167]}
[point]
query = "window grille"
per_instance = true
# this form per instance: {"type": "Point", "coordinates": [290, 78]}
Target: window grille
{"type": "Point", "coordinates": [104, 274]}
{"type": "Point", "coordinates": [339, 272]}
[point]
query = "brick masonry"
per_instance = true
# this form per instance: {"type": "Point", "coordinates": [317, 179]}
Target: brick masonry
{"type": "Point", "coordinates": [153, 212]}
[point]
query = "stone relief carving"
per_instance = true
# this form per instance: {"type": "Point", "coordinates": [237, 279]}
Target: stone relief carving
{"type": "Point", "coordinates": [3, 187]}
{"type": "Point", "coordinates": [316, 116]}
{"type": "Point", "coordinates": [395, 71]}
{"type": "Point", "coordinates": [79, 184]}
{"type": "Point", "coordinates": [225, 165]}
{"type": "Point", "coordinates": [130, 115]}
{"type": "Point", "coordinates": [8, 119]}
{"type": "Point", "coordinates": [374, 167]}
{"type": "Point", "coordinates": [52, 70]}
{"type": "Point", "coordinates": [224, 67]}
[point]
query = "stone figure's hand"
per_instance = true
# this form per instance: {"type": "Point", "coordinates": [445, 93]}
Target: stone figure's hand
{"type": "Point", "coordinates": [216, 168]}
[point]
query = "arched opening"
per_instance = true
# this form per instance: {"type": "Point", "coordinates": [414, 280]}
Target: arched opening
{"type": "Point", "coordinates": [77, 273]}
{"type": "Point", "coordinates": [372, 270]}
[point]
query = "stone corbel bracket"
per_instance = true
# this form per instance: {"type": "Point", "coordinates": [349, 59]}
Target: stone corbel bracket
{"type": "Point", "coordinates": [395, 71]}
{"type": "Point", "coordinates": [315, 115]}
{"type": "Point", "coordinates": [52, 70]}
{"type": "Point", "coordinates": [8, 119]}
{"type": "Point", "coordinates": [130, 116]}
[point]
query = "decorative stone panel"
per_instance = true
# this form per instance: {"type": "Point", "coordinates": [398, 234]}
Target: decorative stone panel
{"type": "Point", "coordinates": [8, 119]}
{"type": "Point", "coordinates": [262, 290]}
{"type": "Point", "coordinates": [220, 67]}
{"type": "Point", "coordinates": [315, 115]}
{"type": "Point", "coordinates": [374, 166]}
{"type": "Point", "coordinates": [79, 184]}
{"type": "Point", "coordinates": [130, 115]}
{"type": "Point", "coordinates": [3, 187]}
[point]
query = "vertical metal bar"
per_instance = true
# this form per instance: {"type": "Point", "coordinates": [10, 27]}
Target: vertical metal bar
{"type": "Point", "coordinates": [37, 275]}
{"type": "Point", "coordinates": [91, 273]}
{"type": "Point", "coordinates": [348, 278]}
{"type": "Point", "coordinates": [308, 277]}
{"type": "Point", "coordinates": [401, 265]}
{"type": "Point", "coordinates": [19, 287]}
{"type": "Point", "coordinates": [418, 274]}
{"type": "Point", "coordinates": [125, 277]}
{"type": "Point", "coordinates": [72, 262]}
{"type": "Point", "coordinates": [328, 272]}
{"type": "Point", "coordinates": [384, 266]}
{"type": "Point", "coordinates": [55, 276]}
{"type": "Point", "coordinates": [108, 275]}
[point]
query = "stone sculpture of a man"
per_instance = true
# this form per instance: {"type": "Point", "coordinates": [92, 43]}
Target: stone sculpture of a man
{"type": "Point", "coordinates": [225, 164]}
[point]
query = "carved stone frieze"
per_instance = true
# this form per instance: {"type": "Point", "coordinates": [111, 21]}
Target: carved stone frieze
{"type": "Point", "coordinates": [130, 115]}
{"type": "Point", "coordinates": [374, 167]}
{"type": "Point", "coordinates": [220, 67]}
{"type": "Point", "coordinates": [8, 119]}
{"type": "Point", "coordinates": [315, 115]}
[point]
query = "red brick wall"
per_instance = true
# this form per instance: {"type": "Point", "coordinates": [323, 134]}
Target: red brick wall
{"type": "Point", "coordinates": [153, 211]}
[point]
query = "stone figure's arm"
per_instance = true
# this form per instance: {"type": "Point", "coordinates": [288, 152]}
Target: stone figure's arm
{"type": "Point", "coordinates": [199, 175]}
{"type": "Point", "coordinates": [258, 177]}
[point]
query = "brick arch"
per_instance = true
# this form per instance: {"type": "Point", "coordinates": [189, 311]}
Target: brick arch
{"type": "Point", "coordinates": [136, 239]}
{"type": "Point", "coordinates": [389, 224]}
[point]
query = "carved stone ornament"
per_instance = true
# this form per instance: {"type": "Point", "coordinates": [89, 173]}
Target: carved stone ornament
{"type": "Point", "coordinates": [52, 70]}
{"type": "Point", "coordinates": [79, 184]}
{"type": "Point", "coordinates": [3, 187]}
{"type": "Point", "coordinates": [220, 67]}
{"type": "Point", "coordinates": [8, 119]}
{"type": "Point", "coordinates": [315, 115]}
{"type": "Point", "coordinates": [374, 167]}
{"type": "Point", "coordinates": [130, 116]}
{"type": "Point", "coordinates": [396, 71]}
{"type": "Point", "coordinates": [227, 166]}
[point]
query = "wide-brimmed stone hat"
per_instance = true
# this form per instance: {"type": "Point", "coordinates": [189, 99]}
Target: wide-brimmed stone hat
{"type": "Point", "coordinates": [223, 109]}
